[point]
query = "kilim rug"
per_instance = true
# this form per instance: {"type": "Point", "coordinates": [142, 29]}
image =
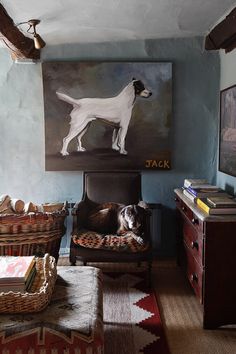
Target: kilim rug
{"type": "Point", "coordinates": [132, 322]}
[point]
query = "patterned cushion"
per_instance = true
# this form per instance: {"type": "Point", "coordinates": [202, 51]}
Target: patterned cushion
{"type": "Point", "coordinates": [128, 242]}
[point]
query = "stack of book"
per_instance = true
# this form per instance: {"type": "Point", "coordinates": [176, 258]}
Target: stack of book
{"type": "Point", "coordinates": [17, 273]}
{"type": "Point", "coordinates": [217, 205]}
{"type": "Point", "coordinates": [200, 188]}
{"type": "Point", "coordinates": [210, 198]}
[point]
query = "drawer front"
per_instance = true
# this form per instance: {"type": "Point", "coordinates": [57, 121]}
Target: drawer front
{"type": "Point", "coordinates": [177, 202]}
{"type": "Point", "coordinates": [189, 214]}
{"type": "Point", "coordinates": [194, 241]}
{"type": "Point", "coordinates": [195, 274]}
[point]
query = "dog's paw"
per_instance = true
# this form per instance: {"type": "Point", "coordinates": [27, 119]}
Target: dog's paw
{"type": "Point", "coordinates": [121, 232]}
{"type": "Point", "coordinates": [65, 153]}
{"type": "Point", "coordinates": [123, 152]}
{"type": "Point", "coordinates": [115, 147]}
{"type": "Point", "coordinates": [81, 149]}
{"type": "Point", "coordinates": [139, 239]}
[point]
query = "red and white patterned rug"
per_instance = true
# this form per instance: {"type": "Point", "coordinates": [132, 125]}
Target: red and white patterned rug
{"type": "Point", "coordinates": [132, 322]}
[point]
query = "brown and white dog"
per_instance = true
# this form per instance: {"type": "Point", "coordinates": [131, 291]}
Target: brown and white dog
{"type": "Point", "coordinates": [114, 218]}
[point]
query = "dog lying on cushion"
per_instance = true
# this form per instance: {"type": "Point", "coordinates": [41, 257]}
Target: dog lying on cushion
{"type": "Point", "coordinates": [114, 218]}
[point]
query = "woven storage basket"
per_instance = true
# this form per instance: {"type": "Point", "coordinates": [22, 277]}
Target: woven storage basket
{"type": "Point", "coordinates": [40, 292]}
{"type": "Point", "coordinates": [32, 234]}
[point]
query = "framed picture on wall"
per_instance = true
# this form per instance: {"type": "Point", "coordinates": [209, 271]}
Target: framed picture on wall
{"type": "Point", "coordinates": [227, 135]}
{"type": "Point", "coordinates": [107, 115]}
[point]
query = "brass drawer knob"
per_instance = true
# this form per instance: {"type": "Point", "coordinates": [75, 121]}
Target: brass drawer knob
{"type": "Point", "coordinates": [195, 221]}
{"type": "Point", "coordinates": [194, 277]}
{"type": "Point", "coordinates": [194, 244]}
{"type": "Point", "coordinates": [184, 208]}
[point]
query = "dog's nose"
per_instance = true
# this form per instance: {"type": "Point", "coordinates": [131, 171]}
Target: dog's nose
{"type": "Point", "coordinates": [150, 93]}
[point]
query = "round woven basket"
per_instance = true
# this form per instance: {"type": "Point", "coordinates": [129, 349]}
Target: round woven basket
{"type": "Point", "coordinates": [40, 292]}
{"type": "Point", "coordinates": [32, 222]}
{"type": "Point", "coordinates": [32, 234]}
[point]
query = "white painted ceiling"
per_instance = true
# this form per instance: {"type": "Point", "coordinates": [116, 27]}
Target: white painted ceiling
{"type": "Point", "coordinates": [88, 21]}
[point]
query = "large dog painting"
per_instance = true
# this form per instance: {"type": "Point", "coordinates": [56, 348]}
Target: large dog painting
{"type": "Point", "coordinates": [107, 116]}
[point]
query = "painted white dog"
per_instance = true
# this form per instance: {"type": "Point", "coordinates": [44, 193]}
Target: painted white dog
{"type": "Point", "coordinates": [115, 111]}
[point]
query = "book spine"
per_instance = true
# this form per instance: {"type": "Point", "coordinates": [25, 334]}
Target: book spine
{"type": "Point", "coordinates": [222, 206]}
{"type": "Point", "coordinates": [192, 191]}
{"type": "Point", "coordinates": [223, 211]}
{"type": "Point", "coordinates": [187, 183]}
{"type": "Point", "coordinates": [32, 264]}
{"type": "Point", "coordinates": [30, 279]}
{"type": "Point", "coordinates": [212, 203]}
{"type": "Point", "coordinates": [192, 182]}
{"type": "Point", "coordinates": [203, 206]}
{"type": "Point", "coordinates": [189, 195]}
{"type": "Point", "coordinates": [206, 194]}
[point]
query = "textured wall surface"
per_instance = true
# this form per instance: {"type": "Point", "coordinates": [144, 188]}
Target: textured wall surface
{"type": "Point", "coordinates": [194, 123]}
{"type": "Point", "coordinates": [227, 79]}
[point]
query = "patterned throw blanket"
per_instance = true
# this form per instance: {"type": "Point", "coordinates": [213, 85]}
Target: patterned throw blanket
{"type": "Point", "coordinates": [71, 323]}
{"type": "Point", "coordinates": [128, 242]}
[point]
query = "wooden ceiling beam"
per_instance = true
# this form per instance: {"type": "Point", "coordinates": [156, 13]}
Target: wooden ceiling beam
{"type": "Point", "coordinates": [21, 47]}
{"type": "Point", "coordinates": [223, 35]}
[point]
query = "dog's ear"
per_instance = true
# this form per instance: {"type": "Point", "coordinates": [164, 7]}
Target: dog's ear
{"type": "Point", "coordinates": [122, 212]}
{"type": "Point", "coordinates": [143, 204]}
{"type": "Point", "coordinates": [145, 207]}
{"type": "Point", "coordinates": [133, 79]}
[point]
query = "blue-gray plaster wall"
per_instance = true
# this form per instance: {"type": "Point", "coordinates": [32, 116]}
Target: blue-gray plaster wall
{"type": "Point", "coordinates": [196, 75]}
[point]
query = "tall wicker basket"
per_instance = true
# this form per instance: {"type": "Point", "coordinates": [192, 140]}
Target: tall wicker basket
{"type": "Point", "coordinates": [32, 234]}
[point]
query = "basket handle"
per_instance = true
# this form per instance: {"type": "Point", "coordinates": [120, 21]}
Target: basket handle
{"type": "Point", "coordinates": [46, 265]}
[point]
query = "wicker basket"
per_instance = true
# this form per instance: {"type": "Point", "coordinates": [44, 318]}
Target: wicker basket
{"type": "Point", "coordinates": [32, 234]}
{"type": "Point", "coordinates": [40, 292]}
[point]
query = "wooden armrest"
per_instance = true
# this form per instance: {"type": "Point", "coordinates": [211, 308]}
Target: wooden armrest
{"type": "Point", "coordinates": [77, 207]}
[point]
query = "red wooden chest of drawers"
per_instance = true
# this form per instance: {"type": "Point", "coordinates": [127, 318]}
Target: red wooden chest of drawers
{"type": "Point", "coordinates": [207, 252]}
